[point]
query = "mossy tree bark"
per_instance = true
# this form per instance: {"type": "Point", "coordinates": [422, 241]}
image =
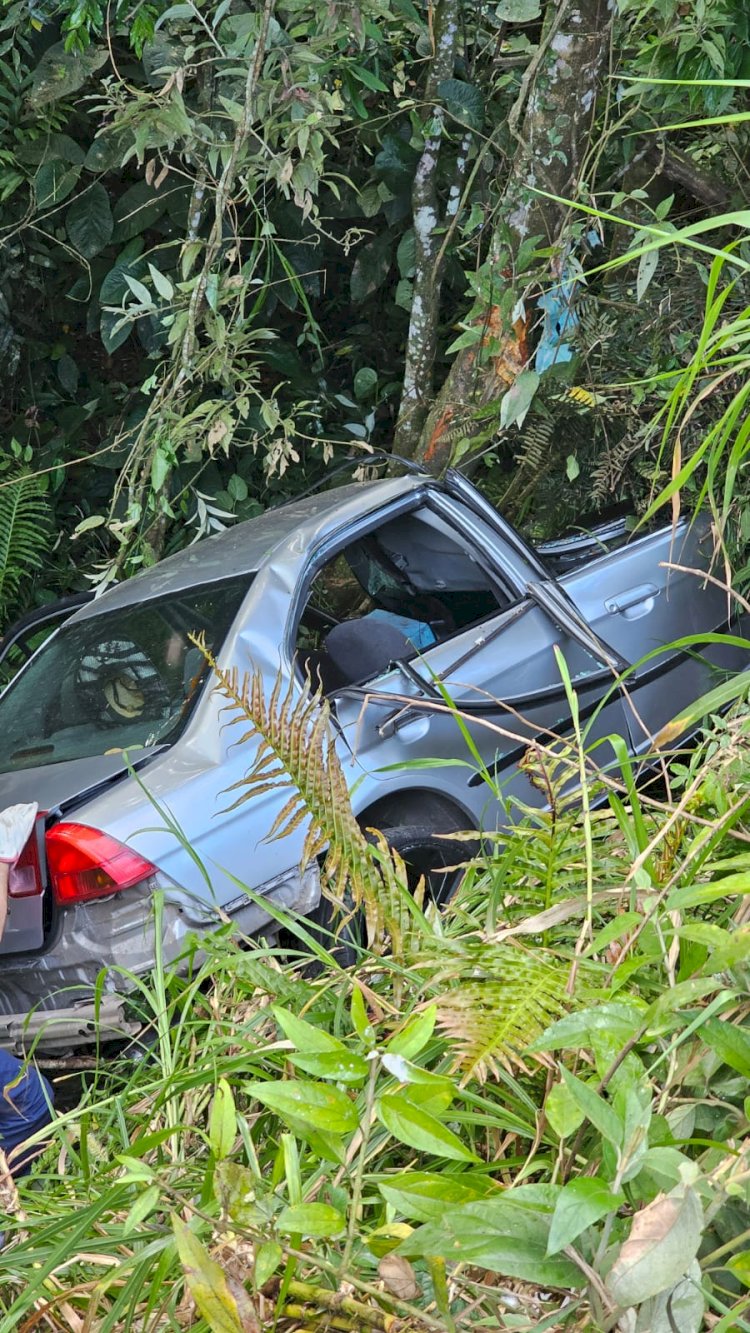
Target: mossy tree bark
{"type": "Point", "coordinates": [552, 122]}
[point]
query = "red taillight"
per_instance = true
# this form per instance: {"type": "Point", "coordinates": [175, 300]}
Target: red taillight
{"type": "Point", "coordinates": [84, 864]}
{"type": "Point", "coordinates": [25, 880]}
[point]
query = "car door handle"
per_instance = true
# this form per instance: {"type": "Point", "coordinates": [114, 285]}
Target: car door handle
{"type": "Point", "coordinates": [633, 602]}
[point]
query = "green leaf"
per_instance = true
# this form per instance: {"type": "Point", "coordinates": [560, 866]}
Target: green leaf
{"type": "Point", "coordinates": [414, 1037]}
{"type": "Point", "coordinates": [311, 1219]}
{"type": "Point", "coordinates": [342, 1066]}
{"type": "Point", "coordinates": [406, 254]}
{"type": "Point", "coordinates": [739, 1264]}
{"type": "Point", "coordinates": [138, 209]}
{"type": "Point", "coordinates": [361, 1023]}
{"type": "Point", "coordinates": [518, 11]}
{"type": "Point", "coordinates": [237, 487]}
{"type": "Point", "coordinates": [371, 267]}
{"type": "Point", "coordinates": [580, 1204]}
{"type": "Point", "coordinates": [505, 1235]}
{"type": "Point", "coordinates": [730, 1042]}
{"type": "Point", "coordinates": [370, 80]}
{"type": "Point", "coordinates": [681, 1308]}
{"type": "Point", "coordinates": [222, 1121]}
{"type": "Point", "coordinates": [114, 287]}
{"type": "Point", "coordinates": [572, 467]}
{"type": "Point", "coordinates": [140, 292]}
{"type": "Point", "coordinates": [646, 269]}
{"type": "Point", "coordinates": [426, 1195]}
{"type": "Point", "coordinates": [563, 1111]}
{"type": "Point", "coordinates": [620, 1019]}
{"type": "Point", "coordinates": [160, 469]}
{"type": "Point", "coordinates": [418, 1129]}
{"type": "Point", "coordinates": [58, 73]}
{"type": "Point", "coordinates": [89, 221]}
{"type": "Point", "coordinates": [304, 1036]}
{"type": "Point", "coordinates": [161, 283]}
{"type": "Point", "coordinates": [142, 1208]}
{"type": "Point", "coordinates": [663, 1241]}
{"type": "Point", "coordinates": [517, 401]}
{"type": "Point", "coordinates": [404, 295]}
{"type": "Point", "coordinates": [322, 1108]}
{"type": "Point", "coordinates": [67, 373]}
{"type": "Point", "coordinates": [268, 1256]}
{"type": "Point", "coordinates": [206, 1282]}
{"type": "Point", "coordinates": [53, 182]}
{"type": "Point", "coordinates": [594, 1107]}
{"type": "Point", "coordinates": [365, 382]}
{"type": "Point", "coordinates": [463, 101]}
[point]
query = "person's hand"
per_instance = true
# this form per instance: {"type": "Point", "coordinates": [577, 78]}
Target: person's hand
{"type": "Point", "coordinates": [16, 823]}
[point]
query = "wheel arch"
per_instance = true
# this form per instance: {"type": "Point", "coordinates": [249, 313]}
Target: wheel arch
{"type": "Point", "coordinates": [416, 806]}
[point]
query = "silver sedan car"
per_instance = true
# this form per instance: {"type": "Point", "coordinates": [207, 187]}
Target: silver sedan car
{"type": "Point", "coordinates": [389, 594]}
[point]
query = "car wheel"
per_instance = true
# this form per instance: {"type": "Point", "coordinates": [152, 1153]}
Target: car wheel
{"type": "Point", "coordinates": [427, 855]}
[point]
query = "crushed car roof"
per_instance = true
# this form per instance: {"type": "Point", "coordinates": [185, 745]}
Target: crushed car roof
{"type": "Point", "coordinates": [245, 548]}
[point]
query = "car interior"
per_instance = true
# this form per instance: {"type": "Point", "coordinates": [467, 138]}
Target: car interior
{"type": "Point", "coordinates": [409, 584]}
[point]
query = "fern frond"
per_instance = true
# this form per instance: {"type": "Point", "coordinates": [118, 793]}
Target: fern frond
{"type": "Point", "coordinates": [24, 528]}
{"type": "Point", "coordinates": [296, 750]}
{"type": "Point", "coordinates": [494, 1013]}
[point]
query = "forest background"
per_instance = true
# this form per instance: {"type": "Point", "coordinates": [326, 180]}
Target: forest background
{"type": "Point", "coordinates": [243, 244]}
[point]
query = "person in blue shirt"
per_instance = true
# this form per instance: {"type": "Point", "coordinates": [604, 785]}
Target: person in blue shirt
{"type": "Point", "coordinates": [25, 1097]}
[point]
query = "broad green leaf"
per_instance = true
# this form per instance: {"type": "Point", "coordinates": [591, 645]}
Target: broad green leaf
{"type": "Point", "coordinates": [206, 1282]}
{"type": "Point", "coordinates": [89, 221]}
{"type": "Point", "coordinates": [53, 182]}
{"type": "Point", "coordinates": [222, 1121]}
{"type": "Point", "coordinates": [503, 1235]}
{"type": "Point", "coordinates": [563, 1111]}
{"type": "Point", "coordinates": [67, 373]}
{"type": "Point", "coordinates": [739, 1264]}
{"type": "Point", "coordinates": [415, 1035]}
{"type": "Point", "coordinates": [321, 1107]}
{"type": "Point", "coordinates": [730, 1042]}
{"type": "Point", "coordinates": [464, 101]}
{"type": "Point", "coordinates": [518, 11]}
{"type": "Point", "coordinates": [426, 1195]}
{"type": "Point", "coordinates": [418, 1129]}
{"type": "Point", "coordinates": [678, 997]}
{"type": "Point", "coordinates": [594, 1107]}
{"type": "Point", "coordinates": [268, 1256]}
{"type": "Point", "coordinates": [371, 267]}
{"type": "Point", "coordinates": [304, 1036]}
{"type": "Point", "coordinates": [311, 1219]}
{"type": "Point", "coordinates": [406, 254]}
{"type": "Point", "coordinates": [365, 382]}
{"type": "Point", "coordinates": [58, 73]}
{"type": "Point", "coordinates": [620, 1019]}
{"type": "Point", "coordinates": [235, 1188]}
{"type": "Point", "coordinates": [160, 469]}
{"type": "Point", "coordinates": [342, 1066]}
{"type": "Point", "coordinates": [663, 1241]}
{"type": "Point", "coordinates": [681, 1308]}
{"type": "Point", "coordinates": [580, 1204]}
{"type": "Point", "coordinates": [138, 209]}
{"type": "Point", "coordinates": [139, 290]}
{"type": "Point", "coordinates": [517, 401]}
{"type": "Point", "coordinates": [161, 283]}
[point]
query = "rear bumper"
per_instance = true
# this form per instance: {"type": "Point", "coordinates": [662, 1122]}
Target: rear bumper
{"type": "Point", "coordinates": [76, 996]}
{"type": "Point", "coordinates": [59, 1031]}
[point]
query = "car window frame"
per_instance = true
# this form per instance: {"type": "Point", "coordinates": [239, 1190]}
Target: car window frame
{"type": "Point", "coordinates": [511, 592]}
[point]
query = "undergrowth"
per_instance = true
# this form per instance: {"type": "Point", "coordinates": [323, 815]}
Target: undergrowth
{"type": "Point", "coordinates": [530, 1113]}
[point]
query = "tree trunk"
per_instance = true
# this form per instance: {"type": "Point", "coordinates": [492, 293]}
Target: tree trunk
{"type": "Point", "coordinates": [555, 109]}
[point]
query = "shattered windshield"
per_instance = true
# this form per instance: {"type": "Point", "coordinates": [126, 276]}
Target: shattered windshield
{"type": "Point", "coordinates": [120, 680]}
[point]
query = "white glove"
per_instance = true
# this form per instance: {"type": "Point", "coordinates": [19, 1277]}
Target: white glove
{"type": "Point", "coordinates": [16, 823]}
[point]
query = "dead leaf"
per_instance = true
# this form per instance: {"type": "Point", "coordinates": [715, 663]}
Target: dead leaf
{"type": "Point", "coordinates": [662, 1244]}
{"type": "Point", "coordinates": [397, 1275]}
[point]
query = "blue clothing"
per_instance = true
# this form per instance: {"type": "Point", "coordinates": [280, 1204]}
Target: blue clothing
{"type": "Point", "coordinates": [417, 632]}
{"type": "Point", "coordinates": [25, 1102]}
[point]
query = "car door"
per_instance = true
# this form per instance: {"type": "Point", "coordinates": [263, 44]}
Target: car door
{"type": "Point", "coordinates": [502, 675]}
{"type": "Point", "coordinates": [644, 598]}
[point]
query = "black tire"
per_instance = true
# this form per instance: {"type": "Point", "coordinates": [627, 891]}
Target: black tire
{"type": "Point", "coordinates": [426, 854]}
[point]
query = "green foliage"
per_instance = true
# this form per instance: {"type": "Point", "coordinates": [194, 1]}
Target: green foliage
{"type": "Point", "coordinates": [24, 534]}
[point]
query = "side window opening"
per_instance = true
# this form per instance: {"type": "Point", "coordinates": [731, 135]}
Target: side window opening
{"type": "Point", "coordinates": [408, 585]}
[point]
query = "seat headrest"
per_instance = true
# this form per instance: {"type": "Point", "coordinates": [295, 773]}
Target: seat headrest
{"type": "Point", "coordinates": [361, 649]}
